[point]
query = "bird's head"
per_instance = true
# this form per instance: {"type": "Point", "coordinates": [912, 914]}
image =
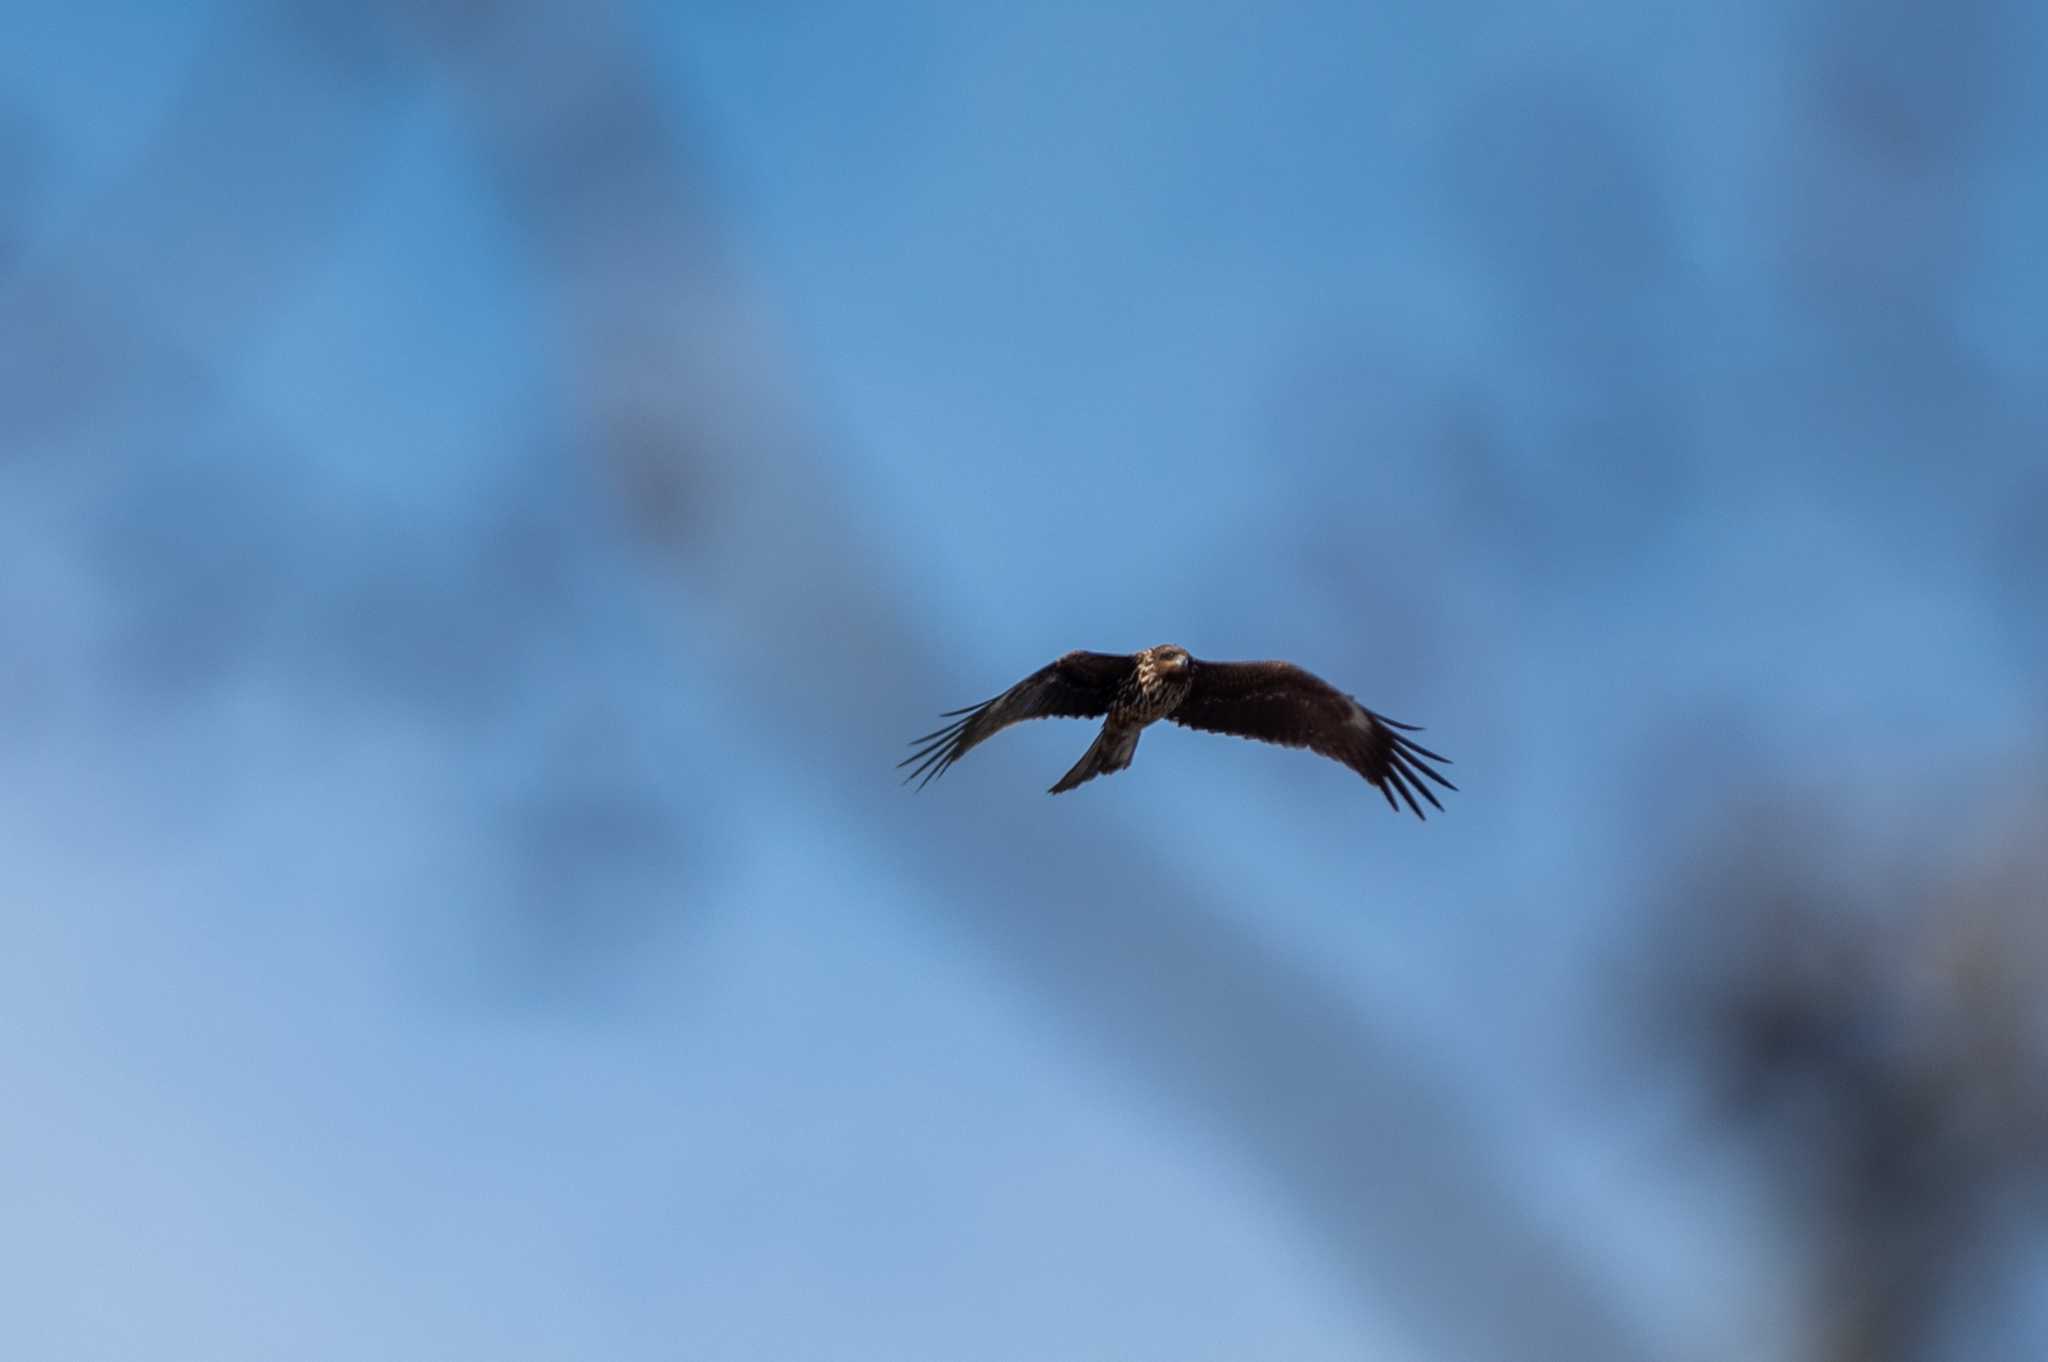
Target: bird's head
{"type": "Point", "coordinates": [1170, 658]}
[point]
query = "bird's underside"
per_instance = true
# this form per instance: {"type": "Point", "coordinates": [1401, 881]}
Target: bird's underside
{"type": "Point", "coordinates": [1274, 702]}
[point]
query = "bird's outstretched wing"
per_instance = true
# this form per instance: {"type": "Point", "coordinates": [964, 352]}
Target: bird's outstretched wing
{"type": "Point", "coordinates": [1078, 686]}
{"type": "Point", "coordinates": [1278, 702]}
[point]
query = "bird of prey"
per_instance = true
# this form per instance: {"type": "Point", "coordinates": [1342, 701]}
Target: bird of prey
{"type": "Point", "coordinates": [1273, 702]}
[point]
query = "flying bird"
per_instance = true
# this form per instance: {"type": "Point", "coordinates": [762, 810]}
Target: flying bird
{"type": "Point", "coordinates": [1273, 702]}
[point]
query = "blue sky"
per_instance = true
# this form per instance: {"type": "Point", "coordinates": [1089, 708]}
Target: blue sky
{"type": "Point", "coordinates": [484, 508]}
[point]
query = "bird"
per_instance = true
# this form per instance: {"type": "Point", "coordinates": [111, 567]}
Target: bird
{"type": "Point", "coordinates": [1274, 702]}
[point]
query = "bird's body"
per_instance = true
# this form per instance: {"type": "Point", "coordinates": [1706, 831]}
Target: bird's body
{"type": "Point", "coordinates": [1275, 702]}
{"type": "Point", "coordinates": [1157, 683]}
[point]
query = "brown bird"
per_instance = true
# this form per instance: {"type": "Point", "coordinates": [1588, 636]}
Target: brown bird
{"type": "Point", "coordinates": [1273, 702]}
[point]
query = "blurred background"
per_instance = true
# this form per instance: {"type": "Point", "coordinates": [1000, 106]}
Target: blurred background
{"type": "Point", "coordinates": [486, 492]}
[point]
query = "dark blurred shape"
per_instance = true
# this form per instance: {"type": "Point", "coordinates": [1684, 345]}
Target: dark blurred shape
{"type": "Point", "coordinates": [250, 177]}
{"type": "Point", "coordinates": [1560, 200]}
{"type": "Point", "coordinates": [1870, 1016]}
{"type": "Point", "coordinates": [1565, 216]}
{"type": "Point", "coordinates": [595, 167]}
{"type": "Point", "coordinates": [190, 543]}
{"type": "Point", "coordinates": [599, 861]}
{"type": "Point", "coordinates": [21, 176]}
{"type": "Point", "coordinates": [222, 561]}
{"type": "Point", "coordinates": [1875, 201]}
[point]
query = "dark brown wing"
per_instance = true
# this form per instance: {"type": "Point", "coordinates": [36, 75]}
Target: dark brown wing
{"type": "Point", "coordinates": [1279, 702]}
{"type": "Point", "coordinates": [1078, 686]}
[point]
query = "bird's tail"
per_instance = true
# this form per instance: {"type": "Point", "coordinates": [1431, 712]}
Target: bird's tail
{"type": "Point", "coordinates": [1111, 751]}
